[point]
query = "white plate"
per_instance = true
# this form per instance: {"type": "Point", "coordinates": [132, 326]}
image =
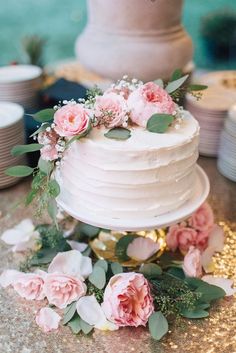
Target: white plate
{"type": "Point", "coordinates": [19, 73]}
{"type": "Point", "coordinates": [199, 196]}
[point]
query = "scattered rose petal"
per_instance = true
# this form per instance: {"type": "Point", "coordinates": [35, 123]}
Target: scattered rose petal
{"type": "Point", "coordinates": [8, 277]}
{"type": "Point", "coordinates": [142, 248]}
{"type": "Point", "coordinates": [76, 245]}
{"type": "Point", "coordinates": [224, 283]}
{"type": "Point", "coordinates": [91, 312]}
{"type": "Point", "coordinates": [206, 259]}
{"type": "Point", "coordinates": [47, 319]}
{"type": "Point", "coordinates": [71, 263]}
{"type": "Point", "coordinates": [192, 263]}
{"type": "Point", "coordinates": [216, 238]}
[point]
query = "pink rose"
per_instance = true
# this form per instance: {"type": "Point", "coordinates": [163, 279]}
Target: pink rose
{"type": "Point", "coordinates": [71, 120]}
{"type": "Point", "coordinates": [192, 263]}
{"type": "Point", "coordinates": [148, 100]}
{"type": "Point", "coordinates": [49, 140]}
{"type": "Point", "coordinates": [181, 237]}
{"type": "Point", "coordinates": [202, 240]}
{"type": "Point", "coordinates": [61, 290]}
{"type": "Point", "coordinates": [203, 218]}
{"type": "Point", "coordinates": [127, 300]}
{"type": "Point", "coordinates": [29, 286]}
{"type": "Point", "coordinates": [123, 91]}
{"type": "Point", "coordinates": [47, 319]}
{"type": "Point", "coordinates": [110, 110]}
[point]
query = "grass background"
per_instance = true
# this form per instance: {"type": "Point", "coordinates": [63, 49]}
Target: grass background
{"type": "Point", "coordinates": [61, 21]}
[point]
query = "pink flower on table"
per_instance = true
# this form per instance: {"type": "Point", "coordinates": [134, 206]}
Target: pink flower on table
{"type": "Point", "coordinates": [203, 218]}
{"type": "Point", "coordinates": [49, 140]}
{"type": "Point", "coordinates": [61, 290]}
{"type": "Point", "coordinates": [47, 319]}
{"type": "Point", "coordinates": [141, 249]}
{"type": "Point", "coordinates": [28, 285]}
{"type": "Point", "coordinates": [181, 237]}
{"type": "Point", "coordinates": [202, 240]}
{"type": "Point", "coordinates": [71, 120]}
{"type": "Point", "coordinates": [127, 300]}
{"type": "Point", "coordinates": [110, 110]}
{"type": "Point", "coordinates": [192, 263]}
{"type": "Point", "coordinates": [147, 100]}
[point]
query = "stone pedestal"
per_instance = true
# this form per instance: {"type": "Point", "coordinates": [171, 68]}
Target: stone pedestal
{"type": "Point", "coordinates": [141, 38]}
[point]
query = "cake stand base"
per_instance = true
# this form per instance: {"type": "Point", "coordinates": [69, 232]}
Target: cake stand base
{"type": "Point", "coordinates": [200, 194]}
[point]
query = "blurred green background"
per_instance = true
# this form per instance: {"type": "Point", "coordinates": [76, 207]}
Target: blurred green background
{"type": "Point", "coordinates": [61, 21]}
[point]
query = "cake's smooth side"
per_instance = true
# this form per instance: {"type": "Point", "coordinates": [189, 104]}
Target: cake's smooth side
{"type": "Point", "coordinates": [145, 176]}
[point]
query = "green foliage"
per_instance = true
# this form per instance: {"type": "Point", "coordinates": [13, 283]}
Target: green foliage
{"type": "Point", "coordinates": [158, 325]}
{"type": "Point", "coordinates": [92, 290]}
{"type": "Point", "coordinates": [74, 324]}
{"type": "Point", "coordinates": [69, 313]}
{"type": "Point", "coordinates": [85, 327]}
{"type": "Point", "coordinates": [122, 245]}
{"type": "Point", "coordinates": [22, 149]}
{"type": "Point", "coordinates": [103, 264]}
{"type": "Point", "coordinates": [151, 271]}
{"type": "Point", "coordinates": [159, 123]}
{"type": "Point", "coordinates": [172, 86]}
{"type": "Point", "coordinates": [98, 277]}
{"type": "Point", "coordinates": [44, 115]}
{"type": "Point", "coordinates": [33, 48]}
{"type": "Point", "coordinates": [84, 231]}
{"type": "Point", "coordinates": [19, 171]}
{"type": "Point", "coordinates": [45, 167]}
{"type": "Point", "coordinates": [118, 133]}
{"type": "Point", "coordinates": [116, 268]}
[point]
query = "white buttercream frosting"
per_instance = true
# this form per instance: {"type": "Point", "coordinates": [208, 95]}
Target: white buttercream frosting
{"type": "Point", "coordinates": [146, 175]}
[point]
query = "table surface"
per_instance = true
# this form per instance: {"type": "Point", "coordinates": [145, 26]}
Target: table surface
{"type": "Point", "coordinates": [20, 334]}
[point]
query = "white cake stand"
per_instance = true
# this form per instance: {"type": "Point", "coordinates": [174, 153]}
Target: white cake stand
{"type": "Point", "coordinates": [200, 194]}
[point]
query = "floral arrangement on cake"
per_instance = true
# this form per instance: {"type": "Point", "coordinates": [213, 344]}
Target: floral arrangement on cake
{"type": "Point", "coordinates": [126, 105]}
{"type": "Point", "coordinates": [142, 286]}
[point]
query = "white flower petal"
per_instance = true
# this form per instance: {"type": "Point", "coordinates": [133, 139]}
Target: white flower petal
{"type": "Point", "coordinates": [91, 312]}
{"type": "Point", "coordinates": [47, 319]}
{"type": "Point", "coordinates": [71, 263]}
{"type": "Point", "coordinates": [8, 277]}
{"type": "Point", "coordinates": [216, 238]}
{"type": "Point", "coordinates": [14, 236]}
{"type": "Point", "coordinates": [206, 259]}
{"type": "Point", "coordinates": [224, 283]}
{"type": "Point", "coordinates": [142, 248]}
{"type": "Point", "coordinates": [76, 245]}
{"type": "Point", "coordinates": [26, 226]}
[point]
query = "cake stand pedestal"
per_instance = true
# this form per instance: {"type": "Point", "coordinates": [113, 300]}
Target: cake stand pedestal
{"type": "Point", "coordinates": [199, 196]}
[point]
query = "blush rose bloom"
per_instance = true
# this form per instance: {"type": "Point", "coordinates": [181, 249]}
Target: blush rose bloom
{"type": "Point", "coordinates": [203, 218]}
{"type": "Point", "coordinates": [127, 300]}
{"type": "Point", "coordinates": [192, 263]}
{"type": "Point", "coordinates": [148, 100]}
{"type": "Point", "coordinates": [71, 120]}
{"type": "Point", "coordinates": [61, 290]}
{"type": "Point", "coordinates": [181, 237]}
{"type": "Point", "coordinates": [49, 140]}
{"type": "Point", "coordinates": [110, 110]}
{"type": "Point", "coordinates": [29, 286]}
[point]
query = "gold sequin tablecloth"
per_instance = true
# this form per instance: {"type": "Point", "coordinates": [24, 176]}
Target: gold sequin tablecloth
{"type": "Point", "coordinates": [216, 334]}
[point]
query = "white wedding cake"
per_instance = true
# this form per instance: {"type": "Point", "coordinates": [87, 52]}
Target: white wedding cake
{"type": "Point", "coordinates": [147, 175]}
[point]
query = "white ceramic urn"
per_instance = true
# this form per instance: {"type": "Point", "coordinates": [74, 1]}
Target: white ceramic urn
{"type": "Point", "coordinates": [141, 38]}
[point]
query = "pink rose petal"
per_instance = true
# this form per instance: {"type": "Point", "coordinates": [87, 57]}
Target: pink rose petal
{"type": "Point", "coordinates": [192, 263]}
{"type": "Point", "coordinates": [47, 319]}
{"type": "Point", "coordinates": [142, 248]}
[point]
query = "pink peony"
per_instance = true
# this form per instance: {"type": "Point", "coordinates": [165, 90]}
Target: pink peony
{"type": "Point", "coordinates": [49, 140]}
{"type": "Point", "coordinates": [71, 120]}
{"type": "Point", "coordinates": [29, 286]}
{"type": "Point", "coordinates": [192, 263]}
{"type": "Point", "coordinates": [61, 290]}
{"type": "Point", "coordinates": [181, 237]}
{"type": "Point", "coordinates": [203, 218]}
{"type": "Point", "coordinates": [148, 100]}
{"type": "Point", "coordinates": [127, 300]}
{"type": "Point", "coordinates": [47, 319]}
{"type": "Point", "coordinates": [110, 110]}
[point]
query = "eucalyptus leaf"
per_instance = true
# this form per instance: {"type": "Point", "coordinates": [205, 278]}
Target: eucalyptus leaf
{"type": "Point", "coordinates": [43, 257]}
{"type": "Point", "coordinates": [69, 312]}
{"type": "Point", "coordinates": [116, 268]}
{"type": "Point", "coordinates": [118, 133]}
{"type": "Point", "coordinates": [42, 128]}
{"type": "Point", "coordinates": [22, 149]}
{"type": "Point", "coordinates": [210, 292]}
{"type": "Point", "coordinates": [98, 277]}
{"type": "Point", "coordinates": [150, 270]}
{"type": "Point", "coordinates": [30, 197]}
{"type": "Point", "coordinates": [86, 230]}
{"type": "Point", "coordinates": [54, 188]}
{"type": "Point", "coordinates": [103, 264]}
{"type": "Point", "coordinates": [159, 123]}
{"type": "Point", "coordinates": [197, 87]}
{"type": "Point", "coordinates": [174, 85]}
{"type": "Point", "coordinates": [176, 75]}
{"type": "Point", "coordinates": [19, 171]}
{"type": "Point", "coordinates": [159, 82]}
{"type": "Point", "coordinates": [176, 272]}
{"type": "Point", "coordinates": [45, 166]}
{"type": "Point", "coordinates": [75, 325]}
{"type": "Point", "coordinates": [195, 314]}
{"type": "Point", "coordinates": [52, 209]}
{"type": "Point", "coordinates": [44, 115]}
{"type": "Point", "coordinates": [85, 327]}
{"type": "Point", "coordinates": [158, 325]}
{"type": "Point", "coordinates": [122, 245]}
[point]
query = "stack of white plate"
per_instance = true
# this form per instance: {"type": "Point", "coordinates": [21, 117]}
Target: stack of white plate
{"type": "Point", "coordinates": [11, 134]}
{"type": "Point", "coordinates": [20, 84]}
{"type": "Point", "coordinates": [227, 150]}
{"type": "Point", "coordinates": [211, 111]}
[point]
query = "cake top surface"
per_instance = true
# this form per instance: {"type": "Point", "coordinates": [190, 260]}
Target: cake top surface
{"type": "Point", "coordinates": [142, 139]}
